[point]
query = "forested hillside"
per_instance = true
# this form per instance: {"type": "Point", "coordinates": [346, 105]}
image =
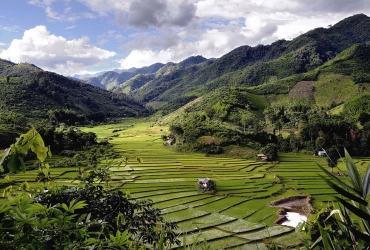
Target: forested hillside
{"type": "Point", "coordinates": [29, 94]}
{"type": "Point", "coordinates": [327, 107]}
{"type": "Point", "coordinates": [175, 84]}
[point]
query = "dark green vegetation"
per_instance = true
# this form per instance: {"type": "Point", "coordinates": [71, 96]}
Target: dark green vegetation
{"type": "Point", "coordinates": [32, 92]}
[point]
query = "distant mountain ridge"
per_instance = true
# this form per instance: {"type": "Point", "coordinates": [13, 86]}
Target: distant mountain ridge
{"type": "Point", "coordinates": [111, 80]}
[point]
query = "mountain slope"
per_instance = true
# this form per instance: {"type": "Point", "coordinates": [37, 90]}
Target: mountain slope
{"type": "Point", "coordinates": [251, 66]}
{"type": "Point", "coordinates": [342, 81]}
{"type": "Point", "coordinates": [109, 79]}
{"type": "Point", "coordinates": [31, 91]}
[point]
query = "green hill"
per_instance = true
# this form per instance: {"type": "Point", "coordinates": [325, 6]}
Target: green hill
{"type": "Point", "coordinates": [263, 64]}
{"type": "Point", "coordinates": [32, 92]}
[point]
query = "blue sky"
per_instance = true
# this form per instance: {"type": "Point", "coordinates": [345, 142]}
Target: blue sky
{"type": "Point", "coordinates": [81, 36]}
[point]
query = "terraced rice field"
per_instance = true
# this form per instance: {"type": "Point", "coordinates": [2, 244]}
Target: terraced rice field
{"type": "Point", "coordinates": [237, 217]}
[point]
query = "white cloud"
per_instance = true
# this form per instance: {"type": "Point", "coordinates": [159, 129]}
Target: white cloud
{"type": "Point", "coordinates": [65, 15]}
{"type": "Point", "coordinates": [103, 7]}
{"type": "Point", "coordinates": [70, 27]}
{"type": "Point", "coordinates": [213, 43]}
{"type": "Point", "coordinates": [140, 58]}
{"type": "Point", "coordinates": [9, 28]}
{"type": "Point", "coordinates": [153, 31]}
{"type": "Point", "coordinates": [55, 53]}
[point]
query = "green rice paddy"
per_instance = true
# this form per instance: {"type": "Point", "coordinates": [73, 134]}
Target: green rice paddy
{"type": "Point", "coordinates": [236, 217]}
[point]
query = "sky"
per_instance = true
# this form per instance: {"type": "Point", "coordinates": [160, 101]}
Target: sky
{"type": "Point", "coordinates": [87, 36]}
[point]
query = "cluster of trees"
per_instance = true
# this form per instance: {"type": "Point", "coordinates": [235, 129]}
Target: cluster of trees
{"type": "Point", "coordinates": [233, 119]}
{"type": "Point", "coordinates": [197, 132]}
{"type": "Point", "coordinates": [319, 130]}
{"type": "Point", "coordinates": [70, 117]}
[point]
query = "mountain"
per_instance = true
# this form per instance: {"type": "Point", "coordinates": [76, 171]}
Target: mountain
{"type": "Point", "coordinates": [122, 80]}
{"type": "Point", "coordinates": [32, 92]}
{"type": "Point", "coordinates": [253, 66]}
{"type": "Point", "coordinates": [112, 79]}
{"type": "Point", "coordinates": [87, 75]}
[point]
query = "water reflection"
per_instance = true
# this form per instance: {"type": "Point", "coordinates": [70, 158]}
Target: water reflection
{"type": "Point", "coordinates": [293, 219]}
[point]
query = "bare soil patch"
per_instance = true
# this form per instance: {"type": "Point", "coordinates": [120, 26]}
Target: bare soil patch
{"type": "Point", "coordinates": [302, 89]}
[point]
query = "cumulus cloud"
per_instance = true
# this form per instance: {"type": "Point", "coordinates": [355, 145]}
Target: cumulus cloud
{"type": "Point", "coordinates": [185, 14]}
{"type": "Point", "coordinates": [145, 13]}
{"type": "Point", "coordinates": [213, 43]}
{"type": "Point", "coordinates": [151, 31]}
{"type": "Point", "coordinates": [55, 53]}
{"type": "Point", "coordinates": [156, 13]}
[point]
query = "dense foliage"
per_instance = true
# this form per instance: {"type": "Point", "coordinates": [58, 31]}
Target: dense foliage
{"type": "Point", "coordinates": [197, 132]}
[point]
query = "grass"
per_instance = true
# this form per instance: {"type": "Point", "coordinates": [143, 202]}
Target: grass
{"type": "Point", "coordinates": [334, 89]}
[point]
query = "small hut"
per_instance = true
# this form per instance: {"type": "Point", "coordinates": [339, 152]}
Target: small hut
{"type": "Point", "coordinates": [262, 157]}
{"type": "Point", "coordinates": [206, 184]}
{"type": "Point", "coordinates": [321, 153]}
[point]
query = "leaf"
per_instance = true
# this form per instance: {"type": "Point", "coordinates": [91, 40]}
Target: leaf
{"type": "Point", "coordinates": [354, 209]}
{"type": "Point", "coordinates": [91, 241]}
{"type": "Point", "coordinates": [80, 219]}
{"type": "Point", "coordinates": [36, 208]}
{"type": "Point", "coordinates": [365, 237]}
{"type": "Point", "coordinates": [353, 174]}
{"type": "Point", "coordinates": [13, 162]}
{"type": "Point", "coordinates": [120, 221]}
{"type": "Point", "coordinates": [336, 179]}
{"type": "Point", "coordinates": [325, 237]}
{"type": "Point", "coordinates": [5, 154]}
{"type": "Point", "coordinates": [65, 207]}
{"type": "Point", "coordinates": [366, 182]}
{"type": "Point", "coordinates": [73, 206]}
{"type": "Point", "coordinates": [49, 152]}
{"type": "Point", "coordinates": [336, 211]}
{"type": "Point", "coordinates": [344, 192]}
{"type": "Point", "coordinates": [88, 218]}
{"type": "Point", "coordinates": [22, 165]}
